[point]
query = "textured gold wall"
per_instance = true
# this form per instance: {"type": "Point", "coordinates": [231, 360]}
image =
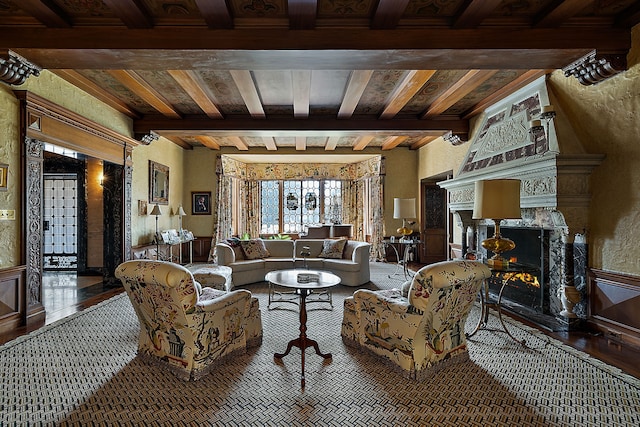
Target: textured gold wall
{"type": "Point", "coordinates": [608, 122]}
{"type": "Point", "coordinates": [10, 199]}
{"type": "Point", "coordinates": [168, 154]}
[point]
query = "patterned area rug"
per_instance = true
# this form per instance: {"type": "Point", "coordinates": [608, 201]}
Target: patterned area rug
{"type": "Point", "coordinates": [82, 370]}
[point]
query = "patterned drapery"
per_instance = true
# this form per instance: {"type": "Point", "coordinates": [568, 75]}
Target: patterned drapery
{"type": "Point", "coordinates": [376, 219]}
{"type": "Point", "coordinates": [224, 227]}
{"type": "Point", "coordinates": [250, 208]}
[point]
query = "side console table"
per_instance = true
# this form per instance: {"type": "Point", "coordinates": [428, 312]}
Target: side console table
{"type": "Point", "coordinates": [402, 262]}
{"type": "Point", "coordinates": [505, 275]}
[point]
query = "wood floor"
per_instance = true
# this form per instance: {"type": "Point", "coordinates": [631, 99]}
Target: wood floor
{"type": "Point", "coordinates": [613, 353]}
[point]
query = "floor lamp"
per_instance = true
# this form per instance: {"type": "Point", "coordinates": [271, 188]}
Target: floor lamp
{"type": "Point", "coordinates": [497, 199]}
{"type": "Point", "coordinates": [157, 212]}
{"type": "Point", "coordinates": [405, 209]}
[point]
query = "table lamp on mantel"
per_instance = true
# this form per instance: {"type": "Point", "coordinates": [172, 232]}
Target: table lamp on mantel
{"type": "Point", "coordinates": [405, 209]}
{"type": "Point", "coordinates": [497, 199]}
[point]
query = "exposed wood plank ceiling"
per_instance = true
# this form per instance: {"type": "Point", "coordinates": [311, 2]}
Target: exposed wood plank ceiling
{"type": "Point", "coordinates": [308, 73]}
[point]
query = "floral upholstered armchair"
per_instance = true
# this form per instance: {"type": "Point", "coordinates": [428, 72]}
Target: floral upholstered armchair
{"type": "Point", "coordinates": [184, 327]}
{"type": "Point", "coordinates": [423, 330]}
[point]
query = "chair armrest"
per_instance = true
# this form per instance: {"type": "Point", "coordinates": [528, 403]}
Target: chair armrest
{"type": "Point", "coordinates": [231, 298]}
{"type": "Point", "coordinates": [225, 254]}
{"type": "Point", "coordinates": [384, 301]}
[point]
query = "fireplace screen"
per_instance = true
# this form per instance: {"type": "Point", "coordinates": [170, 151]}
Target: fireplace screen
{"type": "Point", "coordinates": [525, 283]}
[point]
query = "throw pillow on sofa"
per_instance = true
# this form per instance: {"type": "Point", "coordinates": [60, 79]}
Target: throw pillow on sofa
{"type": "Point", "coordinates": [333, 248]}
{"type": "Point", "coordinates": [254, 249]}
{"type": "Point", "coordinates": [235, 245]}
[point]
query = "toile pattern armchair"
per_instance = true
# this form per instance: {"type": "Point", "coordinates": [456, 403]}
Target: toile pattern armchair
{"type": "Point", "coordinates": [184, 327]}
{"type": "Point", "coordinates": [423, 330]}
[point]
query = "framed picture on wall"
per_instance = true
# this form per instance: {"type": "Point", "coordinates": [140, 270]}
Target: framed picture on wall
{"type": "Point", "coordinates": [4, 172]}
{"type": "Point", "coordinates": [158, 183]}
{"type": "Point", "coordinates": [201, 202]}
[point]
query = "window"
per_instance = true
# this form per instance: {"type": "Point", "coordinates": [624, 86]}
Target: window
{"type": "Point", "coordinates": [290, 206]}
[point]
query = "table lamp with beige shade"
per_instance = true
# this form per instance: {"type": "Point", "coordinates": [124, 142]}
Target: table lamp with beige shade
{"type": "Point", "coordinates": [497, 199]}
{"type": "Point", "coordinates": [405, 209]}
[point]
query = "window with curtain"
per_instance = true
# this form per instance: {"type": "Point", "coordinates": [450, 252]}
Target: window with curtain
{"type": "Point", "coordinates": [289, 206]}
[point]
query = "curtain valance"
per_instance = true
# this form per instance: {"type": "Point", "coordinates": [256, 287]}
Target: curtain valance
{"type": "Point", "coordinates": [287, 171]}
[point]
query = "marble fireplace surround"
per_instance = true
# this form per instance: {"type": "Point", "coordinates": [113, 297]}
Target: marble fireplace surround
{"type": "Point", "coordinates": [554, 171]}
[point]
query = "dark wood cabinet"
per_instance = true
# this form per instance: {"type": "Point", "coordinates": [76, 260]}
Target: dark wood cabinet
{"type": "Point", "coordinates": [613, 305]}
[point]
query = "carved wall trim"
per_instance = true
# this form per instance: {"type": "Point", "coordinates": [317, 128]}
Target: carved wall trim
{"type": "Point", "coordinates": [49, 122]}
{"type": "Point", "coordinates": [15, 70]}
{"type": "Point", "coordinates": [594, 68]}
{"type": "Point", "coordinates": [34, 158]}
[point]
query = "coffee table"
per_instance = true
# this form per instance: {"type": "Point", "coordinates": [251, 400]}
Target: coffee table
{"type": "Point", "coordinates": [304, 282]}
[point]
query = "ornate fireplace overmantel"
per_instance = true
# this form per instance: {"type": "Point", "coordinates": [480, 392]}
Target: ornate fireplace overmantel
{"type": "Point", "coordinates": [554, 170]}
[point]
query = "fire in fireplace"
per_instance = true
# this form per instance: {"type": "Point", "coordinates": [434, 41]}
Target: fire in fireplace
{"type": "Point", "coordinates": [526, 282]}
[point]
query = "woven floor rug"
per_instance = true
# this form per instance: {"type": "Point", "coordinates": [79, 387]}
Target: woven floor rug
{"type": "Point", "coordinates": [82, 370]}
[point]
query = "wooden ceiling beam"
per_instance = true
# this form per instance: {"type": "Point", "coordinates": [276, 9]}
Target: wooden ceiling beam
{"type": "Point", "coordinates": [302, 14]}
{"type": "Point", "coordinates": [135, 83]}
{"type": "Point", "coordinates": [215, 13]}
{"type": "Point", "coordinates": [270, 143]}
{"type": "Point", "coordinates": [362, 142]}
{"type": "Point", "coordinates": [239, 143]}
{"type": "Point", "coordinates": [629, 17]}
{"type": "Point", "coordinates": [468, 83]}
{"type": "Point", "coordinates": [369, 59]}
{"type": "Point", "coordinates": [46, 12]}
{"type": "Point", "coordinates": [208, 141]}
{"type": "Point", "coordinates": [523, 80]}
{"type": "Point", "coordinates": [358, 81]}
{"type": "Point", "coordinates": [132, 13]}
{"type": "Point", "coordinates": [254, 43]}
{"type": "Point", "coordinates": [198, 90]}
{"type": "Point", "coordinates": [332, 143]}
{"type": "Point", "coordinates": [423, 141]}
{"type": "Point", "coordinates": [301, 82]}
{"type": "Point", "coordinates": [327, 126]}
{"type": "Point", "coordinates": [80, 81]}
{"type": "Point", "coordinates": [392, 142]}
{"type": "Point", "coordinates": [249, 93]}
{"type": "Point", "coordinates": [410, 85]}
{"type": "Point", "coordinates": [474, 13]}
{"type": "Point", "coordinates": [559, 12]}
{"type": "Point", "coordinates": [388, 14]}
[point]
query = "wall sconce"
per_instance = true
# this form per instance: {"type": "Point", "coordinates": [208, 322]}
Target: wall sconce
{"type": "Point", "coordinates": [547, 115]}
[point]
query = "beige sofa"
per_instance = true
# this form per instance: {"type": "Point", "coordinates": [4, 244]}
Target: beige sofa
{"type": "Point", "coordinates": [352, 267]}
